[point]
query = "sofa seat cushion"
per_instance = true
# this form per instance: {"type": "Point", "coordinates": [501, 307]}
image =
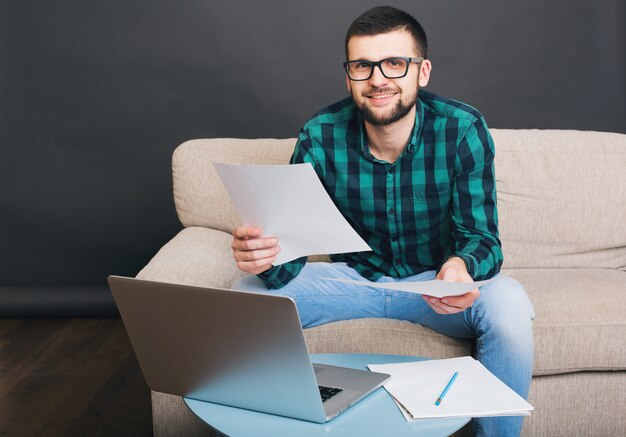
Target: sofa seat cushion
{"type": "Point", "coordinates": [574, 329]}
{"type": "Point", "coordinates": [383, 336]}
{"type": "Point", "coordinates": [580, 318]}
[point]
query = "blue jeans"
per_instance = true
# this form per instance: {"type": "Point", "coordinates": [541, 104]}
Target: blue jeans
{"type": "Point", "coordinates": [500, 320]}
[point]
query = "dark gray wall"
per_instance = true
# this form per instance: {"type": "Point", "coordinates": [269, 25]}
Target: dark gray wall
{"type": "Point", "coordinates": [95, 96]}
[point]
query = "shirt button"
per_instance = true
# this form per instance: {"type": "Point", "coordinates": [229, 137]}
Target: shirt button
{"type": "Point", "coordinates": [391, 169]}
{"type": "Point", "coordinates": [394, 238]}
{"type": "Point", "coordinates": [392, 211]}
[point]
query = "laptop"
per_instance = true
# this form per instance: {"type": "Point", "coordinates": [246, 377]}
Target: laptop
{"type": "Point", "coordinates": [234, 348]}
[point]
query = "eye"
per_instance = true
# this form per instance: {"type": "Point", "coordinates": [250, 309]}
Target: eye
{"type": "Point", "coordinates": [395, 63]}
{"type": "Point", "coordinates": [362, 65]}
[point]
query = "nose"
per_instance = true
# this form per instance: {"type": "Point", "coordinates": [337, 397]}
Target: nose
{"type": "Point", "coordinates": [377, 79]}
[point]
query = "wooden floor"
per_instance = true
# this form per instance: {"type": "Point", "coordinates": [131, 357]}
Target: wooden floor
{"type": "Point", "coordinates": [73, 377]}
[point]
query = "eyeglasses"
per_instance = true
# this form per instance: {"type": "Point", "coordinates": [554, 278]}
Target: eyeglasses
{"type": "Point", "coordinates": [391, 68]}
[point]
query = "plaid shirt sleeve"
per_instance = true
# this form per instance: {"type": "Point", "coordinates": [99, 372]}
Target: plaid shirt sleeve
{"type": "Point", "coordinates": [279, 276]}
{"type": "Point", "coordinates": [474, 212]}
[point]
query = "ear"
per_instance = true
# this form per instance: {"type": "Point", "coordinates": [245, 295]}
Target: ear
{"type": "Point", "coordinates": [348, 84]}
{"type": "Point", "coordinates": [425, 68]}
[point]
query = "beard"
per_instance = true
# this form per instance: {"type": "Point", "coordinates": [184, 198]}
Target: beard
{"type": "Point", "coordinates": [398, 112]}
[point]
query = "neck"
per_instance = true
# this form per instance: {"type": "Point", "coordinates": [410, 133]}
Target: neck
{"type": "Point", "coordinates": [388, 142]}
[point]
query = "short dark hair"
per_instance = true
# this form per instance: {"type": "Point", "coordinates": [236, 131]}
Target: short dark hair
{"type": "Point", "coordinates": [384, 19]}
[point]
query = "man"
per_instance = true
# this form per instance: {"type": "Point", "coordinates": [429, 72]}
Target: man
{"type": "Point", "coordinates": [413, 174]}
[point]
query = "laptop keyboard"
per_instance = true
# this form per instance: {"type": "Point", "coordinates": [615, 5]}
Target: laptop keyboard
{"type": "Point", "coordinates": [328, 392]}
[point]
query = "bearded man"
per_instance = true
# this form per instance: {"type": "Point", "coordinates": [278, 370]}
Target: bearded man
{"type": "Point", "coordinates": [413, 173]}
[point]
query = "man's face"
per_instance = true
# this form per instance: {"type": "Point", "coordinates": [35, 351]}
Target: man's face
{"type": "Point", "coordinates": [384, 101]}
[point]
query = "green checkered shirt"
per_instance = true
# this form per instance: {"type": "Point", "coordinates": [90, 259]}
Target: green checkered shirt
{"type": "Point", "coordinates": [437, 200]}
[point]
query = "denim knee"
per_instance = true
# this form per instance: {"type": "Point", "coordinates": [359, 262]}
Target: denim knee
{"type": "Point", "coordinates": [504, 304]}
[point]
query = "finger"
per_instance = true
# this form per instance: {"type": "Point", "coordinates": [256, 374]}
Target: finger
{"type": "Point", "coordinates": [246, 232]}
{"type": "Point", "coordinates": [440, 302]}
{"type": "Point", "coordinates": [450, 274]}
{"type": "Point", "coordinates": [257, 266]}
{"type": "Point", "coordinates": [254, 244]}
{"type": "Point", "coordinates": [433, 307]}
{"type": "Point", "coordinates": [434, 303]}
{"type": "Point", "coordinates": [436, 308]}
{"type": "Point", "coordinates": [447, 309]}
{"type": "Point", "coordinates": [251, 255]}
{"type": "Point", "coordinates": [463, 301]}
{"type": "Point", "coordinates": [442, 308]}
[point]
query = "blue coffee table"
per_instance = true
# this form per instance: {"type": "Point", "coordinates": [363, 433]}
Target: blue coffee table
{"type": "Point", "coordinates": [376, 415]}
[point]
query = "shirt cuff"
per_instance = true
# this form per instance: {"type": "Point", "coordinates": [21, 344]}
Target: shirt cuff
{"type": "Point", "coordinates": [269, 277]}
{"type": "Point", "coordinates": [470, 263]}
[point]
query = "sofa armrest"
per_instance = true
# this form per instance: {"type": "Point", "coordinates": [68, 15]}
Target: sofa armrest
{"type": "Point", "coordinates": [195, 256]}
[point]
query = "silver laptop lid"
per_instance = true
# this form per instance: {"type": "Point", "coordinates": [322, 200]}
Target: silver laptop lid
{"type": "Point", "coordinates": [229, 347]}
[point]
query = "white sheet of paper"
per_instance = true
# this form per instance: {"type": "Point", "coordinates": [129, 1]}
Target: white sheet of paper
{"type": "Point", "coordinates": [476, 392]}
{"type": "Point", "coordinates": [290, 203]}
{"type": "Point", "coordinates": [436, 287]}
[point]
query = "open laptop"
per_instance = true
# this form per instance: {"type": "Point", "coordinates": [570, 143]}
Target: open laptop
{"type": "Point", "coordinates": [234, 348]}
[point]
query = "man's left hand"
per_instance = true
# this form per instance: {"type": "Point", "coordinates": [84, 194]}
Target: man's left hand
{"type": "Point", "coordinates": [453, 270]}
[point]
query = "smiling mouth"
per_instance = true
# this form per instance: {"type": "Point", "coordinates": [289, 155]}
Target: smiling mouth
{"type": "Point", "coordinates": [380, 96]}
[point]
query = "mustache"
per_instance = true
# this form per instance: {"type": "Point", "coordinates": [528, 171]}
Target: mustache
{"type": "Point", "coordinates": [378, 91]}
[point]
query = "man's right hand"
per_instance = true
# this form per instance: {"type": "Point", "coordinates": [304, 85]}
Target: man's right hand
{"type": "Point", "coordinates": [254, 254]}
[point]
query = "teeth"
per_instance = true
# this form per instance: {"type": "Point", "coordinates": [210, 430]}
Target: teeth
{"type": "Point", "coordinates": [382, 96]}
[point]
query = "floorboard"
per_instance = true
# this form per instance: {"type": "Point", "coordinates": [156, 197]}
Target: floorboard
{"type": "Point", "coordinates": [70, 377]}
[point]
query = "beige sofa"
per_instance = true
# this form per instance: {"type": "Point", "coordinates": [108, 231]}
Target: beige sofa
{"type": "Point", "coordinates": [562, 207]}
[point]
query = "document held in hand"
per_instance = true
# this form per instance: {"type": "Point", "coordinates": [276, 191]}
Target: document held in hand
{"type": "Point", "coordinates": [290, 203]}
{"type": "Point", "coordinates": [476, 392]}
{"type": "Point", "coordinates": [435, 287]}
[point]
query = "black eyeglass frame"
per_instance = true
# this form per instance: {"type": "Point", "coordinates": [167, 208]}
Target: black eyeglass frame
{"type": "Point", "coordinates": [409, 61]}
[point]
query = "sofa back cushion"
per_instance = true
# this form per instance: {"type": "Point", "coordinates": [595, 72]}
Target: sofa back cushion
{"type": "Point", "coordinates": [199, 195]}
{"type": "Point", "coordinates": [561, 198]}
{"type": "Point", "coordinates": [561, 194]}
